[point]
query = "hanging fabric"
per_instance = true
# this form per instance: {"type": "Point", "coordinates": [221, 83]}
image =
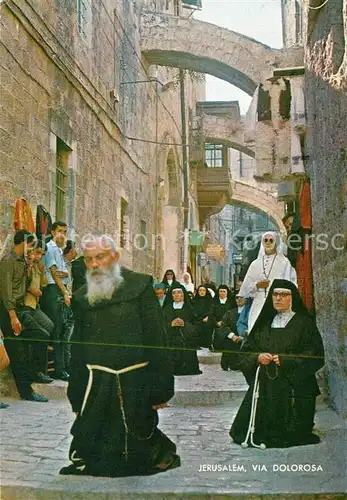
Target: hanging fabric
{"type": "Point", "coordinates": [297, 111]}
{"type": "Point", "coordinates": [298, 124]}
{"type": "Point", "coordinates": [304, 258]}
{"type": "Point", "coordinates": [43, 222]}
{"type": "Point", "coordinates": [264, 104]}
{"type": "Point", "coordinates": [23, 217]}
{"type": "Point", "coordinates": [251, 118]}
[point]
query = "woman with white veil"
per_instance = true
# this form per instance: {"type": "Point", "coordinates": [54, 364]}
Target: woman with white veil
{"type": "Point", "coordinates": [187, 283]}
{"type": "Point", "coordinates": [271, 264]}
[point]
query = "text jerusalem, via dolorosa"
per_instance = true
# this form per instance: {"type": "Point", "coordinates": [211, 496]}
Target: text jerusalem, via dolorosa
{"type": "Point", "coordinates": [261, 468]}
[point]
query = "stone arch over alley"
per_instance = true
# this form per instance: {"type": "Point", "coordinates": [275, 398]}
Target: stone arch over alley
{"type": "Point", "coordinates": [178, 42]}
{"type": "Point", "coordinates": [216, 188]}
{"type": "Point", "coordinates": [255, 197]}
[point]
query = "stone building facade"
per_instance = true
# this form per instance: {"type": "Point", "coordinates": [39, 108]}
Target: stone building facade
{"type": "Point", "coordinates": [92, 130]}
{"type": "Point", "coordinates": [78, 96]}
{"type": "Point", "coordinates": [324, 35]}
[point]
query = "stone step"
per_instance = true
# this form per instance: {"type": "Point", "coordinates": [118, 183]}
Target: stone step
{"type": "Point", "coordinates": [207, 357]}
{"type": "Point", "coordinates": [57, 390]}
{"type": "Point", "coordinates": [213, 386]}
{"type": "Point", "coordinates": [206, 398]}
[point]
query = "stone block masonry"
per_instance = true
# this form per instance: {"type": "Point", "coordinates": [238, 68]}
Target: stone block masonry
{"type": "Point", "coordinates": [326, 149]}
{"type": "Point", "coordinates": [56, 86]}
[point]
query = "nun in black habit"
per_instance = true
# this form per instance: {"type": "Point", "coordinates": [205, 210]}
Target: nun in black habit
{"type": "Point", "coordinates": [181, 324]}
{"type": "Point", "coordinates": [287, 347]}
{"type": "Point", "coordinates": [169, 279]}
{"type": "Point", "coordinates": [202, 304]}
{"type": "Point", "coordinates": [222, 302]}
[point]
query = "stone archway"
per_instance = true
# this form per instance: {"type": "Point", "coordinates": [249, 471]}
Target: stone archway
{"type": "Point", "coordinates": [178, 42]}
{"type": "Point", "coordinates": [255, 197]}
{"type": "Point", "coordinates": [216, 188]}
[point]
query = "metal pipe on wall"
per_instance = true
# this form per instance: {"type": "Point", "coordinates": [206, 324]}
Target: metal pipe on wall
{"type": "Point", "coordinates": [185, 170]}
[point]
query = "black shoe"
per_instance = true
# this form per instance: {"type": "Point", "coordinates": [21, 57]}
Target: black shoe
{"type": "Point", "coordinates": [35, 397]}
{"type": "Point", "coordinates": [61, 376]}
{"type": "Point", "coordinates": [41, 378]}
{"type": "Point", "coordinates": [71, 469]}
{"type": "Point", "coordinates": [3, 405]}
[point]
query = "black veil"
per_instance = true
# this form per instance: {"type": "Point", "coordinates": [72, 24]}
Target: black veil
{"type": "Point", "coordinates": [268, 311]}
{"type": "Point", "coordinates": [164, 280]}
{"type": "Point", "coordinates": [230, 296]}
{"type": "Point", "coordinates": [169, 299]}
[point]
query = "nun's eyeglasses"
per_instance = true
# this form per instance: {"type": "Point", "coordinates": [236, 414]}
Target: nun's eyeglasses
{"type": "Point", "coordinates": [281, 295]}
{"type": "Point", "coordinates": [268, 240]}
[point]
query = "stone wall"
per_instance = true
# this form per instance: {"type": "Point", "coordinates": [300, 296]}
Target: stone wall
{"type": "Point", "coordinates": [326, 148]}
{"type": "Point", "coordinates": [56, 83]}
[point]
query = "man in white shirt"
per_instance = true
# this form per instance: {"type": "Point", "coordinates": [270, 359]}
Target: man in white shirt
{"type": "Point", "coordinates": [56, 294]}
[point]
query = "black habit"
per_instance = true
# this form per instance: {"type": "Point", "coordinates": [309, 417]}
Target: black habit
{"type": "Point", "coordinates": [219, 309]}
{"type": "Point", "coordinates": [223, 343]}
{"type": "Point", "coordinates": [203, 308]}
{"type": "Point", "coordinates": [115, 380]}
{"type": "Point", "coordinates": [287, 393]}
{"type": "Point", "coordinates": [184, 339]}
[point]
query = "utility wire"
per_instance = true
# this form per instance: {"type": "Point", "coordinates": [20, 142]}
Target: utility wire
{"type": "Point", "coordinates": [155, 347]}
{"type": "Point", "coordinates": [143, 66]}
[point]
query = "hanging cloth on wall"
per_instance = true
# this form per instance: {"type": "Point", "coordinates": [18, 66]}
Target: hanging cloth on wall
{"type": "Point", "coordinates": [304, 258]}
{"type": "Point", "coordinates": [43, 222]}
{"type": "Point", "coordinates": [23, 217]}
{"type": "Point", "coordinates": [264, 104]}
{"type": "Point", "coordinates": [251, 118]}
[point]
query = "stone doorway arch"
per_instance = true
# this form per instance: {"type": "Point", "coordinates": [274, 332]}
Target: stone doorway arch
{"type": "Point", "coordinates": [170, 214]}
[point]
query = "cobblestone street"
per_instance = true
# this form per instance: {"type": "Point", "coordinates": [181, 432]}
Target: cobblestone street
{"type": "Point", "coordinates": [35, 440]}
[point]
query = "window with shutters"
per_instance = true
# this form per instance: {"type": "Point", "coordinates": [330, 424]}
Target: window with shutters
{"type": "Point", "coordinates": [298, 22]}
{"type": "Point", "coordinates": [215, 155]}
{"type": "Point", "coordinates": [62, 160]}
{"type": "Point", "coordinates": [124, 229]}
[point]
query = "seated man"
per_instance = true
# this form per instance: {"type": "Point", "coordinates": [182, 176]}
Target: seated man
{"type": "Point", "coordinates": [160, 289]}
{"type": "Point", "coordinates": [16, 321]}
{"type": "Point", "coordinates": [228, 337]}
{"type": "Point", "coordinates": [39, 320]}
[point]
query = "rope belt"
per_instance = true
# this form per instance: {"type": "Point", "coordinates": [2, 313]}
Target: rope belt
{"type": "Point", "coordinates": [119, 393]}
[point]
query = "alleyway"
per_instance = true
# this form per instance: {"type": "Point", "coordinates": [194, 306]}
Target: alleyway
{"type": "Point", "coordinates": [35, 440]}
{"type": "Point", "coordinates": [188, 135]}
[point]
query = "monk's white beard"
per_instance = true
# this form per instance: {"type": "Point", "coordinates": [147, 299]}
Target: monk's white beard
{"type": "Point", "coordinates": [102, 284]}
